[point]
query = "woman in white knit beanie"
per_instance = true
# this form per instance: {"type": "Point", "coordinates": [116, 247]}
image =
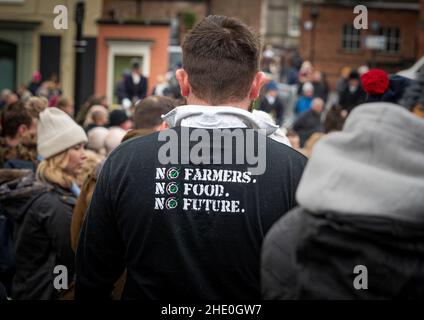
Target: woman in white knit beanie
{"type": "Point", "coordinates": [43, 241]}
{"type": "Point", "coordinates": [61, 146]}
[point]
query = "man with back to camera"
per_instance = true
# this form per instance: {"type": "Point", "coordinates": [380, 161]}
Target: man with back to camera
{"type": "Point", "coordinates": [187, 230]}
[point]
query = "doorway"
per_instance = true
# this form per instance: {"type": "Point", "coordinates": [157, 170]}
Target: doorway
{"type": "Point", "coordinates": [8, 54]}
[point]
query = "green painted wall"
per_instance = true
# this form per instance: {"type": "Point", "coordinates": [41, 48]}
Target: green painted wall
{"type": "Point", "coordinates": [23, 40]}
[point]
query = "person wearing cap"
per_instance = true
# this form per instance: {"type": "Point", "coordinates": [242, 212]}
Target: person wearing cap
{"type": "Point", "coordinates": [43, 239]}
{"type": "Point", "coordinates": [136, 83]}
{"type": "Point", "coordinates": [380, 86]}
{"type": "Point", "coordinates": [271, 103]}
{"type": "Point", "coordinates": [353, 95]}
{"type": "Point", "coordinates": [358, 230]}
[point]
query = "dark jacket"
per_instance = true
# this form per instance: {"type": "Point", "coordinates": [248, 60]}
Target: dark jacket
{"type": "Point", "coordinates": [276, 108]}
{"type": "Point", "coordinates": [3, 293]}
{"type": "Point", "coordinates": [120, 90]}
{"type": "Point", "coordinates": [181, 248]}
{"type": "Point", "coordinates": [349, 100]}
{"type": "Point", "coordinates": [135, 91]}
{"type": "Point", "coordinates": [313, 256]}
{"type": "Point", "coordinates": [43, 242]}
{"type": "Point", "coordinates": [17, 188]}
{"type": "Point", "coordinates": [308, 123]}
{"type": "Point", "coordinates": [360, 205]}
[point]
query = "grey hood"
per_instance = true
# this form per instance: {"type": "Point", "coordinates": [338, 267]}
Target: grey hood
{"type": "Point", "coordinates": [375, 166]}
{"type": "Point", "coordinates": [216, 117]}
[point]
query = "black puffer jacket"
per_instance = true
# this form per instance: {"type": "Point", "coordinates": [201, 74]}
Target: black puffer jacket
{"type": "Point", "coordinates": [17, 188]}
{"type": "Point", "coordinates": [43, 242]}
{"type": "Point", "coordinates": [313, 256]}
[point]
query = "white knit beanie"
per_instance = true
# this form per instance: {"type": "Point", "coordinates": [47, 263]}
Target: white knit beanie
{"type": "Point", "coordinates": [57, 132]}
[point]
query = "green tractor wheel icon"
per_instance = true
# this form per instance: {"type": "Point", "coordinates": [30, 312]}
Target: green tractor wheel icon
{"type": "Point", "coordinates": [172, 188]}
{"type": "Point", "coordinates": [171, 203]}
{"type": "Point", "coordinates": [172, 173]}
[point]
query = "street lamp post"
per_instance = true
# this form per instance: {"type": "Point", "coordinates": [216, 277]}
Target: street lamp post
{"type": "Point", "coordinates": [375, 27]}
{"type": "Point", "coordinates": [80, 46]}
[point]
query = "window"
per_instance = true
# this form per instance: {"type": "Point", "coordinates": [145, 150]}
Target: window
{"type": "Point", "coordinates": [392, 35]}
{"type": "Point", "coordinates": [294, 18]}
{"type": "Point", "coordinates": [351, 38]}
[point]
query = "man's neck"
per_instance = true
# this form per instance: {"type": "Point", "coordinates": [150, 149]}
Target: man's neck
{"type": "Point", "coordinates": [243, 104]}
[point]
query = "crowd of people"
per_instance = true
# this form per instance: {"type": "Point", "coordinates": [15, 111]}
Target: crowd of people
{"type": "Point", "coordinates": [316, 110]}
{"type": "Point", "coordinates": [47, 156]}
{"type": "Point", "coordinates": [342, 187]}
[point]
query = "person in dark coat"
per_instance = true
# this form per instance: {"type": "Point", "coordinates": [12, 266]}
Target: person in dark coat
{"type": "Point", "coordinates": [43, 239]}
{"type": "Point", "coordinates": [358, 232]}
{"type": "Point", "coordinates": [309, 121]}
{"type": "Point", "coordinates": [35, 83]}
{"type": "Point", "coordinates": [135, 83]}
{"type": "Point", "coordinates": [320, 85]}
{"type": "Point", "coordinates": [120, 90]}
{"type": "Point", "coordinates": [353, 95]}
{"type": "Point", "coordinates": [271, 103]}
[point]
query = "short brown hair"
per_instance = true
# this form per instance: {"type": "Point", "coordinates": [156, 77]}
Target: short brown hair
{"type": "Point", "coordinates": [221, 58]}
{"type": "Point", "coordinates": [148, 112]}
{"type": "Point", "coordinates": [12, 117]}
{"type": "Point", "coordinates": [63, 102]}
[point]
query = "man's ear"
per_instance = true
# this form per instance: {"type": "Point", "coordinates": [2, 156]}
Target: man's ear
{"type": "Point", "coordinates": [22, 129]}
{"type": "Point", "coordinates": [162, 126]}
{"type": "Point", "coordinates": [182, 78]}
{"type": "Point", "coordinates": [258, 82]}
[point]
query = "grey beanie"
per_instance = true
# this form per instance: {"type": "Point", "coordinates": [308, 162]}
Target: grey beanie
{"type": "Point", "coordinates": [57, 132]}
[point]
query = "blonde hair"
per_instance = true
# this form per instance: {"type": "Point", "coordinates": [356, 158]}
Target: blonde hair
{"type": "Point", "coordinates": [90, 164]}
{"type": "Point", "coordinates": [52, 170]}
{"type": "Point", "coordinates": [35, 105]}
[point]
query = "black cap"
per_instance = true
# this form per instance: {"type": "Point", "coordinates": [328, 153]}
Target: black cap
{"type": "Point", "coordinates": [117, 117]}
{"type": "Point", "coordinates": [354, 75]}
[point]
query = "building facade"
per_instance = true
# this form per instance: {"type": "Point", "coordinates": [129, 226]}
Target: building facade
{"type": "Point", "coordinates": [30, 42]}
{"type": "Point", "coordinates": [330, 40]}
{"type": "Point", "coordinates": [116, 30]}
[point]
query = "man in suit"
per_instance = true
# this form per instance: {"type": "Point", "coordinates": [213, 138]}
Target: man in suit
{"type": "Point", "coordinates": [136, 83]}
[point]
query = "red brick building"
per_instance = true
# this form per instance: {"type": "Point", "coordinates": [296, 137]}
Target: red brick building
{"type": "Point", "coordinates": [332, 42]}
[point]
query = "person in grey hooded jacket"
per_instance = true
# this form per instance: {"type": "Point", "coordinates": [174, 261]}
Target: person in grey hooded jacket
{"type": "Point", "coordinates": [358, 232]}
